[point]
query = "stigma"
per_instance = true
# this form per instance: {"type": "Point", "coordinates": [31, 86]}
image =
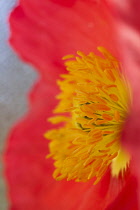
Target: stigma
{"type": "Point", "coordinates": [93, 104]}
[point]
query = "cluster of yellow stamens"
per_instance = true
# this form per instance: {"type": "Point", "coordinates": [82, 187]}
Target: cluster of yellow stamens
{"type": "Point", "coordinates": [94, 103]}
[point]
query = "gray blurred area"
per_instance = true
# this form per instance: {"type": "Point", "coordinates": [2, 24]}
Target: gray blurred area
{"type": "Point", "coordinates": [16, 78]}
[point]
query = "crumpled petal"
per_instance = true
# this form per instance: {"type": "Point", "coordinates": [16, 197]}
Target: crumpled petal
{"type": "Point", "coordinates": [42, 33]}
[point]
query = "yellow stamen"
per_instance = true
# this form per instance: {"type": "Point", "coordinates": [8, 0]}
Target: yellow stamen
{"type": "Point", "coordinates": [68, 57]}
{"type": "Point", "coordinates": [97, 98]}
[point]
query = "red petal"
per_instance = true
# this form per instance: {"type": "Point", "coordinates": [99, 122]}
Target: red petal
{"type": "Point", "coordinates": [127, 199]}
{"type": "Point", "coordinates": [27, 170]}
{"type": "Point", "coordinates": [44, 31]}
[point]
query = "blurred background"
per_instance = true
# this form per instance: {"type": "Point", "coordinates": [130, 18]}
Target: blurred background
{"type": "Point", "coordinates": [16, 78]}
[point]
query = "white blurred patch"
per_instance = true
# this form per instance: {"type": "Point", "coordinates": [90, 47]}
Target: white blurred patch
{"type": "Point", "coordinates": [16, 79]}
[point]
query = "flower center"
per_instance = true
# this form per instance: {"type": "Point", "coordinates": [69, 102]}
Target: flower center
{"type": "Point", "coordinates": [94, 103]}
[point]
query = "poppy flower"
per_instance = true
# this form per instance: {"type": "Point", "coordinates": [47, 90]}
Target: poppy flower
{"type": "Point", "coordinates": [43, 32]}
